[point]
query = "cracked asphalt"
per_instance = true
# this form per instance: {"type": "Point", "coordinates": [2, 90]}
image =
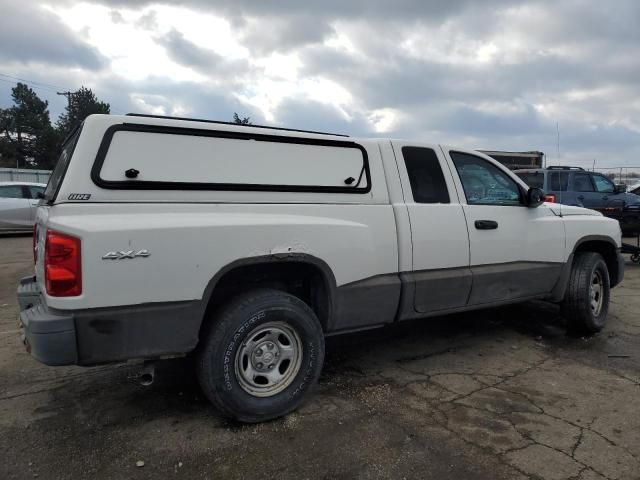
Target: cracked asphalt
{"type": "Point", "coordinates": [497, 394]}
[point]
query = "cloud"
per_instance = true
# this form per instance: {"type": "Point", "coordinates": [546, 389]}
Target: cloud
{"type": "Point", "coordinates": [479, 73]}
{"type": "Point", "coordinates": [313, 115]}
{"type": "Point", "coordinates": [187, 53]}
{"type": "Point", "coordinates": [283, 34]}
{"type": "Point", "coordinates": [158, 96]}
{"type": "Point", "coordinates": [148, 21]}
{"type": "Point", "coordinates": [434, 10]}
{"type": "Point", "coordinates": [116, 16]}
{"type": "Point", "coordinates": [29, 33]}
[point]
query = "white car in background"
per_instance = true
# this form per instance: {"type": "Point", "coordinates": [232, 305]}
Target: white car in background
{"type": "Point", "coordinates": [18, 204]}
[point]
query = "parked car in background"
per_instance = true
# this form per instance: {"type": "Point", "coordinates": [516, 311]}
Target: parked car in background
{"type": "Point", "coordinates": [576, 186]}
{"type": "Point", "coordinates": [18, 204]}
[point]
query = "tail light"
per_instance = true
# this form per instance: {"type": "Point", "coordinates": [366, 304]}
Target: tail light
{"type": "Point", "coordinates": [62, 265]}
{"type": "Point", "coordinates": [550, 197]}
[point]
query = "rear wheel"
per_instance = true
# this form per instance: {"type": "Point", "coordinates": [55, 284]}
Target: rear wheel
{"type": "Point", "coordinates": [259, 355]}
{"type": "Point", "coordinates": [586, 302]}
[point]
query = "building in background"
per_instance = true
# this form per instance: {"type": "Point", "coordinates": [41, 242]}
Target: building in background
{"type": "Point", "coordinates": [24, 175]}
{"type": "Point", "coordinates": [515, 160]}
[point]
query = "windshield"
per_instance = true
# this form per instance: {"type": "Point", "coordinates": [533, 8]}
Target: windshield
{"type": "Point", "coordinates": [61, 167]}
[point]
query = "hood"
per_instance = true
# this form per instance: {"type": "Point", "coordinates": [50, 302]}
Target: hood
{"type": "Point", "coordinates": [565, 210]}
{"type": "Point", "coordinates": [631, 199]}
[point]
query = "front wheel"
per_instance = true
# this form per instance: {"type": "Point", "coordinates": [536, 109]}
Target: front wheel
{"type": "Point", "coordinates": [586, 302]}
{"type": "Point", "coordinates": [259, 355]}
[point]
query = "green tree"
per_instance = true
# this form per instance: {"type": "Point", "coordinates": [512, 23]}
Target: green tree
{"type": "Point", "coordinates": [81, 104]}
{"type": "Point", "coordinates": [26, 136]}
{"type": "Point", "coordinates": [241, 120]}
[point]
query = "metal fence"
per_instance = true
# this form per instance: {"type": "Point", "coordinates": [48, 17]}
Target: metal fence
{"type": "Point", "coordinates": [630, 175]}
{"type": "Point", "coordinates": [24, 175]}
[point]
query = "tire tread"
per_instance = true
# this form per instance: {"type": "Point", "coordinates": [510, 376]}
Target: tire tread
{"type": "Point", "coordinates": [575, 306]}
{"type": "Point", "coordinates": [212, 338]}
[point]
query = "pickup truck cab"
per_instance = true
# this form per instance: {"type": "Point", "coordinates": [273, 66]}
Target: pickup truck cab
{"type": "Point", "coordinates": [245, 246]}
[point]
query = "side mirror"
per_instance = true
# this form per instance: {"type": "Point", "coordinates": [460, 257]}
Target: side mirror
{"type": "Point", "coordinates": [535, 197]}
{"type": "Point", "coordinates": [39, 195]}
{"type": "Point", "coordinates": [620, 188]}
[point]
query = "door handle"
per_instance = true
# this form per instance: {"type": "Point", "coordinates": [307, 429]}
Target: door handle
{"type": "Point", "coordinates": [486, 224]}
{"type": "Point", "coordinates": [580, 197]}
{"type": "Point", "coordinates": [605, 197]}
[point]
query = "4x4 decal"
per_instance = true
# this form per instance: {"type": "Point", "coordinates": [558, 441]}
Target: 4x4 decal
{"type": "Point", "coordinates": [121, 255]}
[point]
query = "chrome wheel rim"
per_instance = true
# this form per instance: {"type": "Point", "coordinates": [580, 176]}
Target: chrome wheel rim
{"type": "Point", "coordinates": [268, 359]}
{"type": "Point", "coordinates": [596, 293]}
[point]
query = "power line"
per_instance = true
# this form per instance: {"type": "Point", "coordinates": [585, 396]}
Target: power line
{"type": "Point", "coordinates": [53, 88]}
{"type": "Point", "coordinates": [33, 82]}
{"type": "Point", "coordinates": [13, 82]}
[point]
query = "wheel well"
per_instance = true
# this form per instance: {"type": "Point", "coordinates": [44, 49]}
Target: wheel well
{"type": "Point", "coordinates": [304, 280]}
{"type": "Point", "coordinates": [608, 251]}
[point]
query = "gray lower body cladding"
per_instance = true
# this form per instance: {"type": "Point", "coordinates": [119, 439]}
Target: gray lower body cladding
{"type": "Point", "coordinates": [89, 337]}
{"type": "Point", "coordinates": [495, 283]}
{"type": "Point", "coordinates": [138, 331]}
{"type": "Point", "coordinates": [439, 292]}
{"type": "Point", "coordinates": [367, 303]}
{"type": "Point", "coordinates": [110, 335]}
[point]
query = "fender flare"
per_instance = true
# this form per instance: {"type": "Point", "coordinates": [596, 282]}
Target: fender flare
{"type": "Point", "coordinates": [290, 257]}
{"type": "Point", "coordinates": [557, 294]}
{"type": "Point", "coordinates": [596, 238]}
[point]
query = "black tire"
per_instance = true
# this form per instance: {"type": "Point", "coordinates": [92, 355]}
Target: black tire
{"type": "Point", "coordinates": [228, 331]}
{"type": "Point", "coordinates": [582, 318]}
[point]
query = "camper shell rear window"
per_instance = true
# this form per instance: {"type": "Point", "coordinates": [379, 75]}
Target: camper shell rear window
{"type": "Point", "coordinates": [60, 170]}
{"type": "Point", "coordinates": [135, 156]}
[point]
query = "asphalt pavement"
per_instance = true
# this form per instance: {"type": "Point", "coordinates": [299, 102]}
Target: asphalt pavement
{"type": "Point", "coordinates": [497, 394]}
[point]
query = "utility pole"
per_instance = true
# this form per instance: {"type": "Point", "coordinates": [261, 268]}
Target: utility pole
{"type": "Point", "coordinates": [68, 95]}
{"type": "Point", "coordinates": [558, 141]}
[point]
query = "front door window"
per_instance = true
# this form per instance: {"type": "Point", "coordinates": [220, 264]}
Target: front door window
{"type": "Point", "coordinates": [603, 184]}
{"type": "Point", "coordinates": [484, 183]}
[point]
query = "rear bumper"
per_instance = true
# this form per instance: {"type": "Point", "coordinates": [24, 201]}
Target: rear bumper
{"type": "Point", "coordinates": [104, 335]}
{"type": "Point", "coordinates": [49, 337]}
{"type": "Point", "coordinates": [28, 293]}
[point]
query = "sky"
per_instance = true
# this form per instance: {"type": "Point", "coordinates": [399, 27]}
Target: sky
{"type": "Point", "coordinates": [483, 74]}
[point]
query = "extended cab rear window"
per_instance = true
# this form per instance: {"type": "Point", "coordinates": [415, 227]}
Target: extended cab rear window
{"type": "Point", "coordinates": [186, 158]}
{"type": "Point", "coordinates": [425, 175]}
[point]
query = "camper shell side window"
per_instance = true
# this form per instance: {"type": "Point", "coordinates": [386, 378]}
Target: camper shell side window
{"type": "Point", "coordinates": [135, 156]}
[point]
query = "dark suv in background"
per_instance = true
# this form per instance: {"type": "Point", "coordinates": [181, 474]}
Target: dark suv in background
{"type": "Point", "coordinates": [576, 186]}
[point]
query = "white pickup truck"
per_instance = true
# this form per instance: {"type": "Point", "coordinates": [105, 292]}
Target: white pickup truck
{"type": "Point", "coordinates": [245, 246]}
